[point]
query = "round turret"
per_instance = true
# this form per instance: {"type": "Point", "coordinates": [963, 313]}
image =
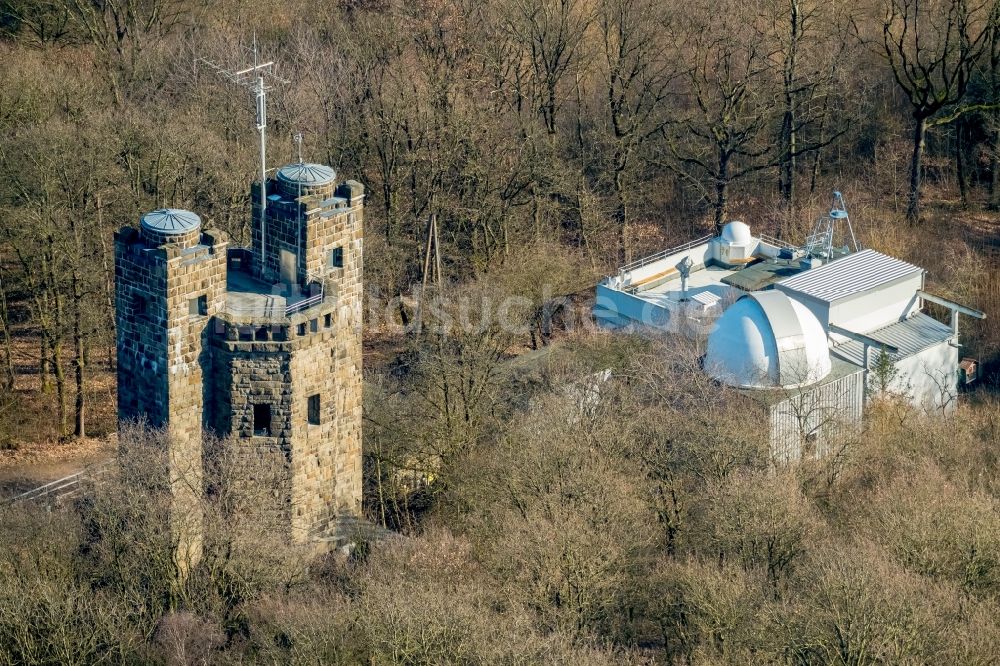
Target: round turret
{"type": "Point", "coordinates": [305, 179]}
{"type": "Point", "coordinates": [171, 226]}
{"type": "Point", "coordinates": [767, 340]}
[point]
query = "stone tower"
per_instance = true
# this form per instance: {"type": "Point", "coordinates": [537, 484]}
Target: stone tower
{"type": "Point", "coordinates": [259, 345]}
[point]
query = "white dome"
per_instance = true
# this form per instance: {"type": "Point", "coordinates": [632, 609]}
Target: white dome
{"type": "Point", "coordinates": [767, 340]}
{"type": "Point", "coordinates": [737, 233]}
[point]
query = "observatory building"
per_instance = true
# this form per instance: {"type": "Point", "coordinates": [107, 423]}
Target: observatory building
{"type": "Point", "coordinates": [259, 344]}
{"type": "Point", "coordinates": [799, 331]}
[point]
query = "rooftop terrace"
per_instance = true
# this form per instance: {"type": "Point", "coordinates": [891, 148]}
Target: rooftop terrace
{"type": "Point", "coordinates": [652, 291]}
{"type": "Point", "coordinates": [249, 297]}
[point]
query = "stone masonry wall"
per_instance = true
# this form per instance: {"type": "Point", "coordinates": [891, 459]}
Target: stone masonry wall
{"type": "Point", "coordinates": [347, 231]}
{"type": "Point", "coordinates": [315, 352]}
{"type": "Point", "coordinates": [166, 297]}
{"type": "Point", "coordinates": [281, 365]}
{"type": "Point", "coordinates": [187, 363]}
{"type": "Point", "coordinates": [330, 460]}
{"type": "Point", "coordinates": [194, 275]}
{"type": "Point", "coordinates": [141, 307]}
{"type": "Point", "coordinates": [287, 219]}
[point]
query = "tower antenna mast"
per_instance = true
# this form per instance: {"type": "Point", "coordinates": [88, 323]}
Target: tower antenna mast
{"type": "Point", "coordinates": [298, 207]}
{"type": "Point", "coordinates": [253, 77]}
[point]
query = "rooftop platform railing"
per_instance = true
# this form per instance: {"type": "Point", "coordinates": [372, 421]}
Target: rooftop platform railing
{"type": "Point", "coordinates": [275, 310]}
{"type": "Point", "coordinates": [777, 242]}
{"type": "Point", "coordinates": [645, 261]}
{"type": "Point", "coordinates": [315, 299]}
{"type": "Point", "coordinates": [274, 305]}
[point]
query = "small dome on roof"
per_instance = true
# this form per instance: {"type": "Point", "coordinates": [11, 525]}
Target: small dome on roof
{"type": "Point", "coordinates": [736, 232]}
{"type": "Point", "coordinates": [170, 221]}
{"type": "Point", "coordinates": [767, 340]}
{"type": "Point", "coordinates": [306, 174]}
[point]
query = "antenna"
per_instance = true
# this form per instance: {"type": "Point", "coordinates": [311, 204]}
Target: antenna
{"type": "Point", "coordinates": [298, 142]}
{"type": "Point", "coordinates": [839, 212]}
{"type": "Point", "coordinates": [253, 78]}
{"type": "Point", "coordinates": [298, 208]}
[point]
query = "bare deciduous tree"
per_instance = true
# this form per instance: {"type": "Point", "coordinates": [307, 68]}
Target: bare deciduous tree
{"type": "Point", "coordinates": [931, 47]}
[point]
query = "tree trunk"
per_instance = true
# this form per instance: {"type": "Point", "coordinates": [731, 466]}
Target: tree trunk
{"type": "Point", "coordinates": [994, 141]}
{"type": "Point", "coordinates": [60, 374]}
{"type": "Point", "coordinates": [387, 206]}
{"type": "Point", "coordinates": [960, 174]}
{"type": "Point", "coordinates": [8, 365]}
{"type": "Point", "coordinates": [107, 261]}
{"type": "Point", "coordinates": [621, 214]}
{"type": "Point", "coordinates": [43, 364]}
{"type": "Point", "coordinates": [815, 166]}
{"type": "Point", "coordinates": [721, 191]}
{"type": "Point", "coordinates": [536, 211]}
{"type": "Point", "coordinates": [995, 163]}
{"type": "Point", "coordinates": [788, 138]}
{"type": "Point", "coordinates": [787, 178]}
{"type": "Point", "coordinates": [919, 134]}
{"type": "Point", "coordinates": [816, 153]}
{"type": "Point", "coordinates": [79, 422]}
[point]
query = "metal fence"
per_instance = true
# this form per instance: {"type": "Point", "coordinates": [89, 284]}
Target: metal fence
{"type": "Point", "coordinates": [65, 488]}
{"type": "Point", "coordinates": [645, 261]}
{"type": "Point", "coordinates": [315, 299]}
{"type": "Point", "coordinates": [304, 304]}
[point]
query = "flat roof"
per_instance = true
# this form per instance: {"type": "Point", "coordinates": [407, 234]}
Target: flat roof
{"type": "Point", "coordinates": [854, 274]}
{"type": "Point", "coordinates": [247, 296]}
{"type": "Point", "coordinates": [707, 280]}
{"type": "Point", "coordinates": [763, 273]}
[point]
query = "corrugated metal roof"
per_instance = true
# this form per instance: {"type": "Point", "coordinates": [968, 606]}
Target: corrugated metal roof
{"type": "Point", "coordinates": [850, 275]}
{"type": "Point", "coordinates": [911, 336]}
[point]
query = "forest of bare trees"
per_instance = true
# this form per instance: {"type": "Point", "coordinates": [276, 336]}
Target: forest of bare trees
{"type": "Point", "coordinates": [551, 140]}
{"type": "Point", "coordinates": [606, 127]}
{"type": "Point", "coordinates": [648, 528]}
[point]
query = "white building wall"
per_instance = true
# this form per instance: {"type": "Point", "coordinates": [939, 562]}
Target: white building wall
{"type": "Point", "coordinates": [887, 305]}
{"type": "Point", "coordinates": [619, 309]}
{"type": "Point", "coordinates": [616, 309]}
{"type": "Point", "coordinates": [808, 425]}
{"type": "Point", "coordinates": [865, 312]}
{"type": "Point", "coordinates": [929, 378]}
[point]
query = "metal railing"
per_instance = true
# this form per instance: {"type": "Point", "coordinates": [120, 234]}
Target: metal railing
{"type": "Point", "coordinates": [299, 306]}
{"type": "Point", "coordinates": [645, 261]}
{"type": "Point", "coordinates": [64, 488]}
{"type": "Point", "coordinates": [315, 299]}
{"type": "Point", "coordinates": [771, 240]}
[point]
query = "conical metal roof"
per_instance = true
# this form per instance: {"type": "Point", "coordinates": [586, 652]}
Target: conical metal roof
{"type": "Point", "coordinates": [171, 221]}
{"type": "Point", "coordinates": [306, 174]}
